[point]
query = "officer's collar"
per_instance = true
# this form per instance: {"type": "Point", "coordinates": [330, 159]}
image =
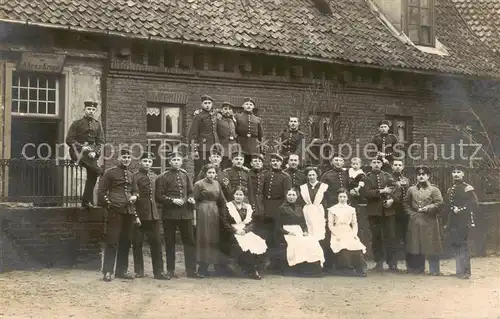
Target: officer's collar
{"type": "Point", "coordinates": [422, 185]}
{"type": "Point", "coordinates": [458, 182]}
{"type": "Point", "coordinates": [88, 118]}
{"type": "Point", "coordinates": [293, 129]}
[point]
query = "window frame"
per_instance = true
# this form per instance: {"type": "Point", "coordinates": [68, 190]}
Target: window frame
{"type": "Point", "coordinates": [432, 22]}
{"type": "Point", "coordinates": [408, 130]}
{"type": "Point", "coordinates": [57, 92]}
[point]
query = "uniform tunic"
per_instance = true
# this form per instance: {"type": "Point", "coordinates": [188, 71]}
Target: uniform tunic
{"type": "Point", "coordinates": [403, 183]}
{"type": "Point", "coordinates": [423, 235]}
{"type": "Point", "coordinates": [146, 205]}
{"type": "Point", "coordinates": [115, 189]}
{"type": "Point", "coordinates": [85, 130]}
{"type": "Point", "coordinates": [463, 196]}
{"type": "Point", "coordinates": [209, 205]}
{"type": "Point", "coordinates": [291, 142]}
{"type": "Point", "coordinates": [374, 182]}
{"type": "Point", "coordinates": [276, 184]}
{"type": "Point", "coordinates": [203, 129]}
{"type": "Point", "coordinates": [249, 132]}
{"type": "Point", "coordinates": [385, 144]}
{"type": "Point", "coordinates": [226, 130]}
{"type": "Point", "coordinates": [297, 176]}
{"type": "Point", "coordinates": [174, 183]}
{"type": "Point", "coordinates": [335, 179]}
{"type": "Point", "coordinates": [232, 178]}
{"type": "Point", "coordinates": [256, 191]}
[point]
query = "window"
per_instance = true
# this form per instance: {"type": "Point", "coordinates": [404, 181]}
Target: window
{"type": "Point", "coordinates": [35, 94]}
{"type": "Point", "coordinates": [164, 130]}
{"type": "Point", "coordinates": [420, 26]}
{"type": "Point", "coordinates": [402, 128]}
{"type": "Point", "coordinates": [323, 128]}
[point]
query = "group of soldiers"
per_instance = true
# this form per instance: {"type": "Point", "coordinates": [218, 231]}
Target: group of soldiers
{"type": "Point", "coordinates": [394, 208]}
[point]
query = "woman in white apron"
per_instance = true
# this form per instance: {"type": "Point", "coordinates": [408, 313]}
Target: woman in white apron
{"type": "Point", "coordinates": [345, 243]}
{"type": "Point", "coordinates": [312, 194]}
{"type": "Point", "coordinates": [301, 254]}
{"type": "Point", "coordinates": [247, 247]}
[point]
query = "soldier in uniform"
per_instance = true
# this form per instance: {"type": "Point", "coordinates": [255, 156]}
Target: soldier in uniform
{"type": "Point", "coordinates": [291, 139]}
{"type": "Point", "coordinates": [385, 143]}
{"type": "Point", "coordinates": [226, 129]}
{"type": "Point", "coordinates": [249, 131]}
{"type": "Point", "coordinates": [380, 192]}
{"type": "Point", "coordinates": [336, 178]}
{"type": "Point", "coordinates": [85, 140]}
{"type": "Point", "coordinates": [256, 186]}
{"type": "Point", "coordinates": [149, 215]}
{"type": "Point", "coordinates": [214, 159]}
{"type": "Point", "coordinates": [203, 131]}
{"type": "Point", "coordinates": [462, 202]}
{"type": "Point", "coordinates": [275, 187]}
{"type": "Point", "coordinates": [422, 204]}
{"type": "Point", "coordinates": [401, 217]}
{"type": "Point", "coordinates": [117, 194]}
{"type": "Point", "coordinates": [235, 176]}
{"type": "Point", "coordinates": [174, 191]}
{"type": "Point", "coordinates": [297, 176]}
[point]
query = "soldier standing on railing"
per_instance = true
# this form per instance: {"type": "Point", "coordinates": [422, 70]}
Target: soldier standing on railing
{"type": "Point", "coordinates": [85, 140]}
{"type": "Point", "coordinates": [117, 193]}
{"type": "Point", "coordinates": [385, 143]}
{"type": "Point", "coordinates": [462, 203]}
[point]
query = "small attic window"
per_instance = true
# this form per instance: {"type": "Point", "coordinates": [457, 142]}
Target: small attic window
{"type": "Point", "coordinates": [420, 23]}
{"type": "Point", "coordinates": [323, 6]}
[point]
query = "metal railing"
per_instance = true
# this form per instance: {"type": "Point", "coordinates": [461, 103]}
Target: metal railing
{"type": "Point", "coordinates": [41, 182]}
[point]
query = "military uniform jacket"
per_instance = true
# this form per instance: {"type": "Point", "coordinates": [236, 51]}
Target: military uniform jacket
{"type": "Point", "coordinates": [423, 236]}
{"type": "Point", "coordinates": [233, 177]}
{"type": "Point", "coordinates": [298, 178]}
{"type": "Point", "coordinates": [174, 183]}
{"type": "Point", "coordinates": [291, 142]}
{"type": "Point", "coordinates": [115, 189]}
{"type": "Point", "coordinates": [256, 191]}
{"type": "Point", "coordinates": [226, 130]}
{"type": "Point", "coordinates": [249, 132]}
{"type": "Point", "coordinates": [374, 182]}
{"type": "Point", "coordinates": [276, 184]}
{"type": "Point", "coordinates": [403, 183]}
{"type": "Point", "coordinates": [145, 205]}
{"type": "Point", "coordinates": [385, 144]}
{"type": "Point", "coordinates": [88, 131]}
{"type": "Point", "coordinates": [335, 179]}
{"type": "Point", "coordinates": [463, 196]}
{"type": "Point", "coordinates": [203, 129]}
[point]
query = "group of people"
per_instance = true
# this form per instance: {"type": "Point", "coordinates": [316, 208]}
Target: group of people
{"type": "Point", "coordinates": [283, 219]}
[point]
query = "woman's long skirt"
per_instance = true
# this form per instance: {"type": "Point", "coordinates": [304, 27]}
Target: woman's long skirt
{"type": "Point", "coordinates": [208, 233]}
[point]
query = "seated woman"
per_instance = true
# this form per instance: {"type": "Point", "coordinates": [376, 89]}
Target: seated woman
{"type": "Point", "coordinates": [247, 247]}
{"type": "Point", "coordinates": [300, 254]}
{"type": "Point", "coordinates": [345, 244]}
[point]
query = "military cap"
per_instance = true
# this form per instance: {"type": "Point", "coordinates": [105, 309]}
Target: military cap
{"type": "Point", "coordinates": [458, 167]}
{"type": "Point", "coordinates": [378, 158]}
{"type": "Point", "coordinates": [148, 155]}
{"type": "Point", "coordinates": [249, 99]}
{"type": "Point", "coordinates": [125, 151]}
{"type": "Point", "coordinates": [174, 154]}
{"type": "Point", "coordinates": [237, 154]}
{"type": "Point", "coordinates": [276, 156]}
{"type": "Point", "coordinates": [228, 104]}
{"type": "Point", "coordinates": [206, 97]}
{"type": "Point", "coordinates": [258, 155]}
{"type": "Point", "coordinates": [215, 151]}
{"type": "Point", "coordinates": [386, 122]}
{"type": "Point", "coordinates": [89, 103]}
{"type": "Point", "coordinates": [423, 170]}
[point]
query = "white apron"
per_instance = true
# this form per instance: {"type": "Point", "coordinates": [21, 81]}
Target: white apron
{"type": "Point", "coordinates": [314, 213]}
{"type": "Point", "coordinates": [248, 242]}
{"type": "Point", "coordinates": [302, 248]}
{"type": "Point", "coordinates": [344, 229]}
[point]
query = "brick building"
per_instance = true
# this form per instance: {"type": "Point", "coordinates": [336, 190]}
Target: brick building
{"type": "Point", "coordinates": [341, 67]}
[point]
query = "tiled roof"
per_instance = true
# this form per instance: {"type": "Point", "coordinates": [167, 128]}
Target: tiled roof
{"type": "Point", "coordinates": [483, 17]}
{"type": "Point", "coordinates": [351, 33]}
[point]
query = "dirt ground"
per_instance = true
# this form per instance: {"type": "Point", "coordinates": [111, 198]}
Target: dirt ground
{"type": "Point", "coordinates": [56, 293]}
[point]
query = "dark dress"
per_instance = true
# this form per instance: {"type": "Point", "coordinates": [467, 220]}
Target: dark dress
{"type": "Point", "coordinates": [209, 203]}
{"type": "Point", "coordinates": [247, 261]}
{"type": "Point", "coordinates": [291, 214]}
